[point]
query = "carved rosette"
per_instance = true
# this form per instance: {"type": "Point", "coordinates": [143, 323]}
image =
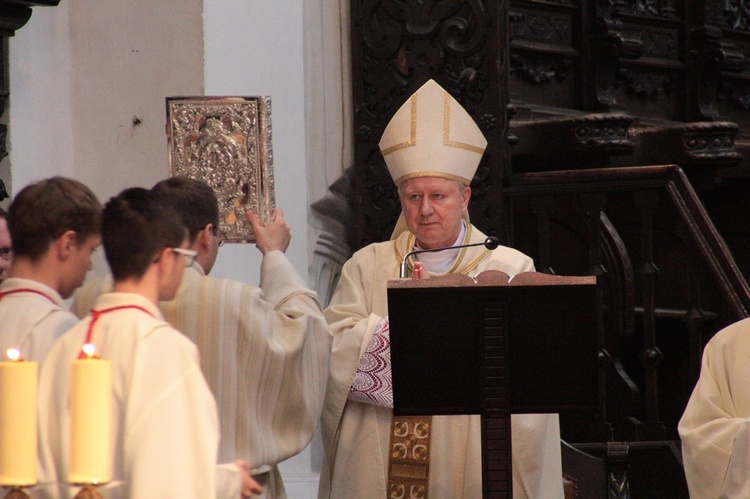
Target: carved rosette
{"type": "Point", "coordinates": [608, 132]}
{"type": "Point", "coordinates": [711, 142]}
{"type": "Point", "coordinates": [399, 45]}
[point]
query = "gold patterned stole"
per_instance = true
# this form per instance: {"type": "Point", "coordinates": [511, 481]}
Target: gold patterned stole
{"type": "Point", "coordinates": [409, 459]}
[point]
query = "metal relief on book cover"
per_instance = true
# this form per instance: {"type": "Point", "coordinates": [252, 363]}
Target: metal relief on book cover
{"type": "Point", "coordinates": [226, 143]}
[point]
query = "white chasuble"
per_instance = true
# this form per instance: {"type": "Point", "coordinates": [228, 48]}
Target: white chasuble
{"type": "Point", "coordinates": [357, 436]}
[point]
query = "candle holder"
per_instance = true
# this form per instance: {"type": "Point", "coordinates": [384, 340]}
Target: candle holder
{"type": "Point", "coordinates": [15, 492]}
{"type": "Point", "coordinates": [88, 491]}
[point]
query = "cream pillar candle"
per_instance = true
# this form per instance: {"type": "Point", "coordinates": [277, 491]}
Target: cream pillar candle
{"type": "Point", "coordinates": [90, 416]}
{"type": "Point", "coordinates": [18, 394]}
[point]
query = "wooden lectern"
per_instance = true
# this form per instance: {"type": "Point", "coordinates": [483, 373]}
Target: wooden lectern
{"type": "Point", "coordinates": [494, 346]}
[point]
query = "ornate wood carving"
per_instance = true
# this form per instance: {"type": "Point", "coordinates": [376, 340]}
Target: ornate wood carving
{"type": "Point", "coordinates": [544, 59]}
{"type": "Point", "coordinates": [573, 142]}
{"type": "Point", "coordinates": [701, 148]}
{"type": "Point", "coordinates": [3, 94]}
{"type": "Point", "coordinates": [735, 14]}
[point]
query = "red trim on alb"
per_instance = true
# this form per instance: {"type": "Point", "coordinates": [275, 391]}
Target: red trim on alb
{"type": "Point", "coordinates": [26, 290]}
{"type": "Point", "coordinates": [95, 314]}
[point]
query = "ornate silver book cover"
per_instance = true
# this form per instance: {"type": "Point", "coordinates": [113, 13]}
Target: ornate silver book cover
{"type": "Point", "coordinates": [226, 143]}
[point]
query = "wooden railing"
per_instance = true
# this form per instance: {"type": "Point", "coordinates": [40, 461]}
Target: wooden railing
{"type": "Point", "coordinates": [627, 223]}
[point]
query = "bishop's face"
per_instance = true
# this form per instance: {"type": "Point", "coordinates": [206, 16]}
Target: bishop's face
{"type": "Point", "coordinates": [433, 208]}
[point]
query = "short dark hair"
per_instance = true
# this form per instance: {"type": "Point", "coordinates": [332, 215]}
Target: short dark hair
{"type": "Point", "coordinates": [45, 210]}
{"type": "Point", "coordinates": [194, 201]}
{"type": "Point", "coordinates": [136, 225]}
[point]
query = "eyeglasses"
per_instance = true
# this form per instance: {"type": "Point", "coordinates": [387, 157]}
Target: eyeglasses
{"type": "Point", "coordinates": [189, 255]}
{"type": "Point", "coordinates": [6, 254]}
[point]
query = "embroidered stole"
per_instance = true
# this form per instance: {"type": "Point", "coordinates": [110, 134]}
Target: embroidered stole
{"type": "Point", "coordinates": [409, 459]}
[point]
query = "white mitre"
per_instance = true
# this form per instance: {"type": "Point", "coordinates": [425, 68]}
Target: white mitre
{"type": "Point", "coordinates": [431, 135]}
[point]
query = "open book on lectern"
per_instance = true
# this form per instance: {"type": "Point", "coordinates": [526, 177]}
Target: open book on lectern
{"type": "Point", "coordinates": [451, 333]}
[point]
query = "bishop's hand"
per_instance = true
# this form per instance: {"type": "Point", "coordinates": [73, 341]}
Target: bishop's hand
{"type": "Point", "coordinates": [419, 271]}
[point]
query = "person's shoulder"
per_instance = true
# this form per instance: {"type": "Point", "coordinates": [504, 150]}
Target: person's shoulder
{"type": "Point", "coordinates": [85, 296]}
{"type": "Point", "coordinates": [732, 336]}
{"type": "Point", "coordinates": [508, 252]}
{"type": "Point", "coordinates": [96, 285]}
{"type": "Point", "coordinates": [62, 318]}
{"type": "Point", "coordinates": [226, 285]}
{"type": "Point", "coordinates": [168, 338]}
{"type": "Point", "coordinates": [66, 346]}
{"type": "Point", "coordinates": [373, 249]}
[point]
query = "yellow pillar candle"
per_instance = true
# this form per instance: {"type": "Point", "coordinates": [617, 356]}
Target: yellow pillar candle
{"type": "Point", "coordinates": [18, 394]}
{"type": "Point", "coordinates": [90, 415]}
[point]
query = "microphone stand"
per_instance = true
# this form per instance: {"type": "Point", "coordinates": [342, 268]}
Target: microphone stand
{"type": "Point", "coordinates": [490, 243]}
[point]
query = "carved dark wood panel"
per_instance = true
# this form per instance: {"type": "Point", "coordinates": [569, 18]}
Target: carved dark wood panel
{"type": "Point", "coordinates": [545, 54]}
{"type": "Point", "coordinates": [3, 94]}
{"type": "Point", "coordinates": [396, 47]}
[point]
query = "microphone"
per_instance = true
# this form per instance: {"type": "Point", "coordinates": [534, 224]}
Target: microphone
{"type": "Point", "coordinates": [490, 243]}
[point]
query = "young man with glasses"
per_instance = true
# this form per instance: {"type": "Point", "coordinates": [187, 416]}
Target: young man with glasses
{"type": "Point", "coordinates": [264, 350]}
{"type": "Point", "coordinates": [55, 226]}
{"type": "Point", "coordinates": [165, 419]}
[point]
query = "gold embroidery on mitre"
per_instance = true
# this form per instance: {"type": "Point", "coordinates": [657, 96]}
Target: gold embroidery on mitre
{"type": "Point", "coordinates": [432, 173]}
{"type": "Point", "coordinates": [412, 132]}
{"type": "Point", "coordinates": [409, 457]}
{"type": "Point", "coordinates": [446, 129]}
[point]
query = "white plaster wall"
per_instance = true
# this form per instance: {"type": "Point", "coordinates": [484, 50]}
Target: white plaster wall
{"type": "Point", "coordinates": [79, 74]}
{"type": "Point", "coordinates": [40, 140]}
{"type": "Point", "coordinates": [256, 48]}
